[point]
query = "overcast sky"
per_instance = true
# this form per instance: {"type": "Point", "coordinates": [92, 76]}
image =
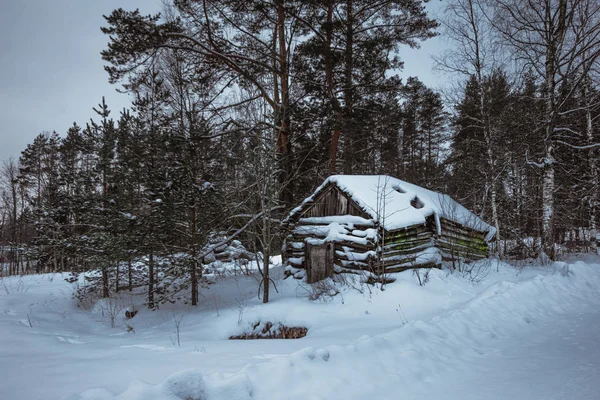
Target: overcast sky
{"type": "Point", "coordinates": [51, 72]}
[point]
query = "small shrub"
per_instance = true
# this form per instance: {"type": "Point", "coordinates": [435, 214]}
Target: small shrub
{"type": "Point", "coordinates": [323, 290]}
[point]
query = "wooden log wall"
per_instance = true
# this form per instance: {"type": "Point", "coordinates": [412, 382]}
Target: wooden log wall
{"type": "Point", "coordinates": [332, 202]}
{"type": "Point", "coordinates": [417, 246]}
{"type": "Point", "coordinates": [458, 241]}
{"type": "Point", "coordinates": [403, 249]}
{"type": "Point", "coordinates": [351, 252]}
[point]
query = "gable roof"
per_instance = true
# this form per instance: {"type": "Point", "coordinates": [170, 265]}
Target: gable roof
{"type": "Point", "coordinates": [398, 204]}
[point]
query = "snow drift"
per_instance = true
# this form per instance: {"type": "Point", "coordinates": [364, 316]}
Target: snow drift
{"type": "Point", "coordinates": [421, 358]}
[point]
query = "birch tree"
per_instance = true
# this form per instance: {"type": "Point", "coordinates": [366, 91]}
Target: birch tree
{"type": "Point", "coordinates": [473, 55]}
{"type": "Point", "coordinates": [9, 195]}
{"type": "Point", "coordinates": [557, 40]}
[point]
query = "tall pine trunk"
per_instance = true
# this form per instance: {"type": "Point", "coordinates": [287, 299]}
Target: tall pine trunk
{"type": "Point", "coordinates": [105, 286]}
{"type": "Point", "coordinates": [329, 82]}
{"type": "Point", "coordinates": [348, 90]}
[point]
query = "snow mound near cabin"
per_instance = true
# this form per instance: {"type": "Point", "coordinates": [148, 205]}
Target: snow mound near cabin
{"type": "Point", "coordinates": [408, 360]}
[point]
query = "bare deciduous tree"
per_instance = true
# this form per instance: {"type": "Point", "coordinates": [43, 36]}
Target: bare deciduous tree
{"type": "Point", "coordinates": [558, 41]}
{"type": "Point", "coordinates": [474, 55]}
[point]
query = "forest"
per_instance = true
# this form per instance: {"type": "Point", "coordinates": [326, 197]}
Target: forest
{"type": "Point", "coordinates": [241, 108]}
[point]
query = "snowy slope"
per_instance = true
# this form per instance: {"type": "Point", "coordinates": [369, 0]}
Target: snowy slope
{"type": "Point", "coordinates": [516, 334]}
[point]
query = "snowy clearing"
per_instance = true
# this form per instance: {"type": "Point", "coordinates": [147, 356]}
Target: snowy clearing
{"type": "Point", "coordinates": [518, 334]}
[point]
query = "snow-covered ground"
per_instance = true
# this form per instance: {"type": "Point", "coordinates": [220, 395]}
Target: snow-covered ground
{"type": "Point", "coordinates": [529, 333]}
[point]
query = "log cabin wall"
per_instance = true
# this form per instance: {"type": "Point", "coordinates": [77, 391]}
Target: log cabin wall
{"type": "Point", "coordinates": [360, 244]}
{"type": "Point", "coordinates": [404, 249]}
{"type": "Point", "coordinates": [312, 224]}
{"type": "Point", "coordinates": [332, 202]}
{"type": "Point", "coordinates": [352, 249]}
{"type": "Point", "coordinates": [459, 241]}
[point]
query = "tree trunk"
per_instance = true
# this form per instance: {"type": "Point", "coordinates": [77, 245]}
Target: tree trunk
{"type": "Point", "coordinates": [129, 277]}
{"type": "Point", "coordinates": [105, 287]}
{"type": "Point", "coordinates": [151, 280]}
{"type": "Point", "coordinates": [282, 112]}
{"type": "Point", "coordinates": [194, 266]}
{"type": "Point", "coordinates": [348, 90]}
{"type": "Point", "coordinates": [13, 193]}
{"type": "Point", "coordinates": [487, 128]}
{"type": "Point", "coordinates": [593, 165]}
{"type": "Point", "coordinates": [329, 82]}
{"type": "Point", "coordinates": [117, 277]}
{"type": "Point", "coordinates": [194, 278]}
{"type": "Point", "coordinates": [548, 203]}
{"type": "Point", "coordinates": [266, 279]}
{"type": "Point", "coordinates": [493, 190]}
{"type": "Point", "coordinates": [548, 184]}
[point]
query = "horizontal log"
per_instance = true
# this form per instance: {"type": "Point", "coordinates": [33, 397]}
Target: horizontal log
{"type": "Point", "coordinates": [407, 245]}
{"type": "Point", "coordinates": [404, 243]}
{"type": "Point", "coordinates": [463, 234]}
{"type": "Point", "coordinates": [296, 245]}
{"type": "Point", "coordinates": [462, 252]}
{"type": "Point", "coordinates": [356, 246]}
{"type": "Point", "coordinates": [453, 246]}
{"type": "Point", "coordinates": [447, 222]}
{"type": "Point", "coordinates": [301, 237]}
{"type": "Point", "coordinates": [296, 261]}
{"type": "Point", "coordinates": [413, 250]}
{"type": "Point", "coordinates": [391, 236]}
{"type": "Point", "coordinates": [349, 257]}
{"type": "Point", "coordinates": [294, 254]}
{"type": "Point", "coordinates": [412, 228]}
{"type": "Point", "coordinates": [464, 239]}
{"type": "Point", "coordinates": [323, 221]}
{"type": "Point", "coordinates": [353, 264]}
{"type": "Point", "coordinates": [443, 241]}
{"type": "Point", "coordinates": [462, 228]}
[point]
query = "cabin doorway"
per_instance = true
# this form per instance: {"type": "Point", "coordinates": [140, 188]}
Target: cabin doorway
{"type": "Point", "coordinates": [319, 261]}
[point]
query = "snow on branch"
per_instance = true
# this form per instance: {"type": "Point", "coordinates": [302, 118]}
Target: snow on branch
{"type": "Point", "coordinates": [235, 234]}
{"type": "Point", "coordinates": [584, 147]}
{"type": "Point", "coordinates": [534, 163]}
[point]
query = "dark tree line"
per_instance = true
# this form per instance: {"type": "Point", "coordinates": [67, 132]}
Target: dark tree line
{"type": "Point", "coordinates": [240, 108]}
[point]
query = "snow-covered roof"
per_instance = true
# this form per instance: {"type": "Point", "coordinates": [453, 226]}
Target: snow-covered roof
{"type": "Point", "coordinates": [397, 204]}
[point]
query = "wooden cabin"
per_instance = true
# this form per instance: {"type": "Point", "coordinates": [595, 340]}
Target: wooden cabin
{"type": "Point", "coordinates": [379, 224]}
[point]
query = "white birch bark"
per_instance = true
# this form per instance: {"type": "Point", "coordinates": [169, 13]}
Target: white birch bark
{"type": "Point", "coordinates": [593, 165]}
{"type": "Point", "coordinates": [465, 27]}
